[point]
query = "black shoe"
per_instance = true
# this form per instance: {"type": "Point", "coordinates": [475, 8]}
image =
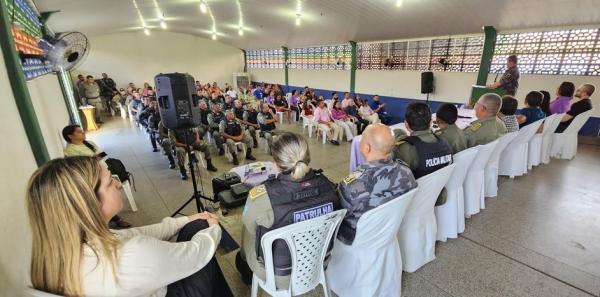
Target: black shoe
{"type": "Point", "coordinates": [235, 160]}
{"type": "Point", "coordinates": [255, 142]}
{"type": "Point", "coordinates": [334, 142]}
{"type": "Point", "coordinates": [183, 175]}
{"type": "Point", "coordinates": [171, 166]}
{"type": "Point", "coordinates": [221, 151]}
{"type": "Point", "coordinates": [154, 150]}
{"type": "Point", "coordinates": [250, 157]}
{"type": "Point", "coordinates": [210, 167]}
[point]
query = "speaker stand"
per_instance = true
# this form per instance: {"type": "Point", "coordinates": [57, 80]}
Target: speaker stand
{"type": "Point", "coordinates": [227, 242]}
{"type": "Point", "coordinates": [427, 99]}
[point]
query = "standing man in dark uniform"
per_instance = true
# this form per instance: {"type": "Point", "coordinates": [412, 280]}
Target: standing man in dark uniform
{"type": "Point", "coordinates": [510, 79]}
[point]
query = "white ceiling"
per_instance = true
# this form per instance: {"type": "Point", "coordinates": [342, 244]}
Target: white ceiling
{"type": "Point", "coordinates": [271, 23]}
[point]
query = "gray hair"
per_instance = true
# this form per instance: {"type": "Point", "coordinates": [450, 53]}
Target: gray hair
{"type": "Point", "coordinates": [492, 102]}
{"type": "Point", "coordinates": [291, 154]}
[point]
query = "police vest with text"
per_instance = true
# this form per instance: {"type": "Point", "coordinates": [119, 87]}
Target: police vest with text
{"type": "Point", "coordinates": [204, 116]}
{"type": "Point", "coordinates": [267, 127]}
{"type": "Point", "coordinates": [217, 118]}
{"type": "Point", "coordinates": [232, 128]}
{"type": "Point", "coordinates": [239, 113]}
{"type": "Point", "coordinates": [292, 202]}
{"type": "Point", "coordinates": [252, 117]}
{"type": "Point", "coordinates": [432, 156]}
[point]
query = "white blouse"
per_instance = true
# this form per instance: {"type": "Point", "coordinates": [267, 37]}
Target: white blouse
{"type": "Point", "coordinates": [147, 262]}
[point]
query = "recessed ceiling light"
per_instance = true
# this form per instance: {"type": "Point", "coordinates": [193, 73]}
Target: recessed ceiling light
{"type": "Point", "coordinates": [214, 36]}
{"type": "Point", "coordinates": [146, 31]}
{"type": "Point", "coordinates": [241, 32]}
{"type": "Point", "coordinates": [203, 8]}
{"type": "Point", "coordinates": [398, 3]}
{"type": "Point", "coordinates": [298, 21]}
{"type": "Point", "coordinates": [163, 25]}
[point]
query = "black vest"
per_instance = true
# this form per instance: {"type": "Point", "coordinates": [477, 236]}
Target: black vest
{"type": "Point", "coordinates": [267, 127]}
{"type": "Point", "coordinates": [181, 138]}
{"type": "Point", "coordinates": [432, 156]}
{"type": "Point", "coordinates": [292, 202]}
{"type": "Point", "coordinates": [217, 117]}
{"type": "Point", "coordinates": [233, 128]}
{"type": "Point", "coordinates": [204, 116]}
{"type": "Point", "coordinates": [239, 113]}
{"type": "Point", "coordinates": [252, 117]}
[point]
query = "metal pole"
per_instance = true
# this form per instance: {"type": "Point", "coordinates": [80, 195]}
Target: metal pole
{"type": "Point", "coordinates": [285, 67]}
{"type": "Point", "coordinates": [353, 66]}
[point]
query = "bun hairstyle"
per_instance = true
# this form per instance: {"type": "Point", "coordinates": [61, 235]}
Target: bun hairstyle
{"type": "Point", "coordinates": [291, 154]}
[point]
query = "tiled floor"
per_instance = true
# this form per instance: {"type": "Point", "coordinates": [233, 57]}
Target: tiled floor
{"type": "Point", "coordinates": [540, 237]}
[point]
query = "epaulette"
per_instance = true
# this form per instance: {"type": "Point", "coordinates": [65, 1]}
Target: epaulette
{"type": "Point", "coordinates": [352, 177]}
{"type": "Point", "coordinates": [257, 191]}
{"type": "Point", "coordinates": [475, 126]}
{"type": "Point", "coordinates": [438, 132]}
{"type": "Point", "coordinates": [401, 139]}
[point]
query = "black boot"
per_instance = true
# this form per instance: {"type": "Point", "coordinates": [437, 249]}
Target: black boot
{"type": "Point", "coordinates": [249, 155]}
{"type": "Point", "coordinates": [255, 142]}
{"type": "Point", "coordinates": [209, 166]}
{"type": "Point", "coordinates": [235, 159]}
{"type": "Point", "coordinates": [221, 151]}
{"type": "Point", "coordinates": [171, 161]}
{"type": "Point", "coordinates": [182, 173]}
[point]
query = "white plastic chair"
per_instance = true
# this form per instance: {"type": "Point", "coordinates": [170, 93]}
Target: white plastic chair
{"type": "Point", "coordinates": [418, 230]}
{"type": "Point", "coordinates": [129, 113]}
{"type": "Point", "coordinates": [564, 145]}
{"type": "Point", "coordinates": [280, 117]}
{"type": "Point", "coordinates": [450, 216]}
{"type": "Point", "coordinates": [474, 185]}
{"type": "Point", "coordinates": [31, 292]}
{"type": "Point", "coordinates": [123, 110]}
{"type": "Point", "coordinates": [240, 146]}
{"type": "Point", "coordinates": [547, 137]}
{"type": "Point", "coordinates": [308, 122]}
{"type": "Point", "coordinates": [491, 169]}
{"type": "Point", "coordinates": [513, 160]}
{"type": "Point", "coordinates": [323, 131]}
{"type": "Point", "coordinates": [534, 148]}
{"type": "Point", "coordinates": [372, 265]}
{"type": "Point", "coordinates": [126, 186]}
{"type": "Point", "coordinates": [308, 242]}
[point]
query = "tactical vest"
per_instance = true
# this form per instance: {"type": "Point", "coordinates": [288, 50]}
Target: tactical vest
{"type": "Point", "coordinates": [181, 138]}
{"type": "Point", "coordinates": [292, 202]}
{"type": "Point", "coordinates": [232, 128]}
{"type": "Point", "coordinates": [267, 127]}
{"type": "Point", "coordinates": [252, 117]}
{"type": "Point", "coordinates": [217, 118]}
{"type": "Point", "coordinates": [204, 116]}
{"type": "Point", "coordinates": [432, 156]}
{"type": "Point", "coordinates": [239, 113]}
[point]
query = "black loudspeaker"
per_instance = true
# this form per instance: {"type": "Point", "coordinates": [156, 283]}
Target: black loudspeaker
{"type": "Point", "coordinates": [426, 82]}
{"type": "Point", "coordinates": [177, 100]}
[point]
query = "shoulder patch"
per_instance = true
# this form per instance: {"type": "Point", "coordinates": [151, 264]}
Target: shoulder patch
{"type": "Point", "coordinates": [257, 191]}
{"type": "Point", "coordinates": [475, 126]}
{"type": "Point", "coordinates": [352, 177]}
{"type": "Point", "coordinates": [439, 132]}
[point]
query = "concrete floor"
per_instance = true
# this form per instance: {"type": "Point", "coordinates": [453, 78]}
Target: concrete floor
{"type": "Point", "coordinates": [539, 237]}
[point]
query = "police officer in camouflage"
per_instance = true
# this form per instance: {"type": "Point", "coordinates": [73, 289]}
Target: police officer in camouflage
{"type": "Point", "coordinates": [488, 127]}
{"type": "Point", "coordinates": [446, 116]}
{"type": "Point", "coordinates": [232, 132]}
{"type": "Point", "coordinates": [373, 183]}
{"type": "Point", "coordinates": [204, 112]}
{"type": "Point", "coordinates": [298, 193]}
{"type": "Point", "coordinates": [243, 117]}
{"type": "Point", "coordinates": [214, 121]}
{"type": "Point", "coordinates": [166, 144]}
{"type": "Point", "coordinates": [266, 121]}
{"type": "Point", "coordinates": [510, 79]}
{"type": "Point", "coordinates": [181, 139]}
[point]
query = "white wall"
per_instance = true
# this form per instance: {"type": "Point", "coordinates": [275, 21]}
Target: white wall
{"type": "Point", "coordinates": [275, 76]}
{"type": "Point", "coordinates": [51, 111]}
{"type": "Point", "coordinates": [338, 80]}
{"type": "Point", "coordinates": [135, 57]}
{"type": "Point", "coordinates": [18, 163]}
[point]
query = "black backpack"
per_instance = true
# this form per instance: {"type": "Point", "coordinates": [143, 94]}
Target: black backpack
{"type": "Point", "coordinates": [116, 167]}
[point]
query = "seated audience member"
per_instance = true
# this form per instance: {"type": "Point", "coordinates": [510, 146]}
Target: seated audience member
{"type": "Point", "coordinates": [215, 100]}
{"type": "Point", "coordinates": [343, 120]}
{"type": "Point", "coordinates": [78, 145]}
{"type": "Point", "coordinates": [151, 110]}
{"type": "Point", "coordinates": [298, 189]}
{"type": "Point", "coordinates": [379, 108]}
{"type": "Point", "coordinates": [324, 120]}
{"type": "Point", "coordinates": [564, 96]}
{"type": "Point", "coordinates": [334, 96]}
{"type": "Point", "coordinates": [347, 99]}
{"type": "Point", "coordinates": [266, 121]}
{"type": "Point", "coordinates": [70, 202]}
{"type": "Point", "coordinates": [214, 120]}
{"type": "Point", "coordinates": [181, 139]}
{"type": "Point", "coordinates": [446, 116]}
{"type": "Point", "coordinates": [228, 103]}
{"type": "Point", "coordinates": [294, 104]}
{"type": "Point", "coordinates": [488, 127]}
{"type": "Point", "coordinates": [281, 105]}
{"type": "Point", "coordinates": [250, 120]}
{"type": "Point", "coordinates": [375, 182]}
{"type": "Point", "coordinates": [204, 112]}
{"type": "Point", "coordinates": [546, 103]}
{"type": "Point", "coordinates": [258, 92]}
{"type": "Point", "coordinates": [145, 91]}
{"type": "Point", "coordinates": [166, 144]}
{"type": "Point", "coordinates": [584, 104]}
{"type": "Point", "coordinates": [507, 113]}
{"type": "Point", "coordinates": [231, 92]}
{"type": "Point", "coordinates": [367, 113]}
{"type": "Point", "coordinates": [152, 124]}
{"type": "Point", "coordinates": [423, 151]}
{"type": "Point", "coordinates": [232, 132]}
{"type": "Point", "coordinates": [532, 111]}
{"type": "Point", "coordinates": [307, 108]}
{"type": "Point", "coordinates": [352, 111]}
{"type": "Point", "coordinates": [118, 99]}
{"type": "Point", "coordinates": [135, 105]}
{"type": "Point", "coordinates": [357, 101]}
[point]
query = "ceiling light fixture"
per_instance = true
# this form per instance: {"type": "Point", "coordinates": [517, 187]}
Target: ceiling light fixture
{"type": "Point", "coordinates": [146, 31]}
{"type": "Point", "coordinates": [163, 25]}
{"type": "Point", "coordinates": [214, 36]}
{"type": "Point", "coordinates": [241, 32]}
{"type": "Point", "coordinates": [212, 17]}
{"type": "Point", "coordinates": [137, 8]}
{"type": "Point", "coordinates": [203, 7]}
{"type": "Point", "coordinates": [398, 3]}
{"type": "Point", "coordinates": [160, 15]}
{"type": "Point", "coordinates": [298, 12]}
{"type": "Point", "coordinates": [298, 20]}
{"type": "Point", "coordinates": [241, 21]}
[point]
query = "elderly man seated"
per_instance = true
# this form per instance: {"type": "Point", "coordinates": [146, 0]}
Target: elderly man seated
{"type": "Point", "coordinates": [488, 127]}
{"type": "Point", "coordinates": [373, 183]}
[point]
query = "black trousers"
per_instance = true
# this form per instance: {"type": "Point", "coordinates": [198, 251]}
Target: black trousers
{"type": "Point", "coordinates": [208, 281]}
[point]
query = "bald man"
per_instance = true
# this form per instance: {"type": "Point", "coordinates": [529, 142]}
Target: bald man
{"type": "Point", "coordinates": [488, 127]}
{"type": "Point", "coordinates": [377, 181]}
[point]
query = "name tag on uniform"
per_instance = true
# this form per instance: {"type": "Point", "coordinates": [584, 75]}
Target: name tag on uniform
{"type": "Point", "coordinates": [312, 213]}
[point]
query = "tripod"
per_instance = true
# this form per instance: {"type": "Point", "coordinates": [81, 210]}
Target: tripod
{"type": "Point", "coordinates": [227, 242]}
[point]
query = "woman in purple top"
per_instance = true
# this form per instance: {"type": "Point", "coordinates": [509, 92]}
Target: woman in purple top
{"type": "Point", "coordinates": [343, 120]}
{"type": "Point", "coordinates": [294, 104]}
{"type": "Point", "coordinates": [270, 100]}
{"type": "Point", "coordinates": [562, 103]}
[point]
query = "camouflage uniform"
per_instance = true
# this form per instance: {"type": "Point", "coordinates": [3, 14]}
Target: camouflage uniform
{"type": "Point", "coordinates": [372, 184]}
{"type": "Point", "coordinates": [483, 131]}
{"type": "Point", "coordinates": [213, 125]}
{"type": "Point", "coordinates": [246, 139]}
{"type": "Point", "coordinates": [454, 136]}
{"type": "Point", "coordinates": [200, 146]}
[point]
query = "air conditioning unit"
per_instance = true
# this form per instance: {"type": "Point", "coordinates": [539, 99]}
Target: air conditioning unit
{"type": "Point", "coordinates": [241, 80]}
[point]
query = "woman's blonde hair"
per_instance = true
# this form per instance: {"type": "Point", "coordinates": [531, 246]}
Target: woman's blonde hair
{"type": "Point", "coordinates": [64, 213]}
{"type": "Point", "coordinates": [291, 154]}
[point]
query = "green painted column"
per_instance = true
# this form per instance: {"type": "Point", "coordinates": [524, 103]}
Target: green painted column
{"type": "Point", "coordinates": [489, 45]}
{"type": "Point", "coordinates": [20, 91]}
{"type": "Point", "coordinates": [286, 68]}
{"type": "Point", "coordinates": [245, 61]}
{"type": "Point", "coordinates": [352, 66]}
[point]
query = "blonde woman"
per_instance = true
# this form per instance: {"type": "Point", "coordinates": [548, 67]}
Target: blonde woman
{"type": "Point", "coordinates": [74, 253]}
